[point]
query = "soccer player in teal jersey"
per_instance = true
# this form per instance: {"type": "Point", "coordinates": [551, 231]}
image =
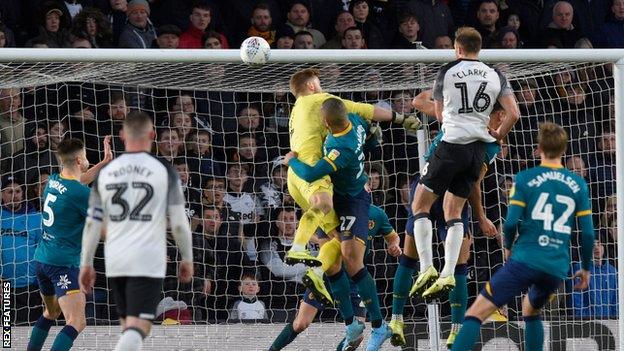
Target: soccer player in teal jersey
{"type": "Point", "coordinates": [378, 225]}
{"type": "Point", "coordinates": [344, 161]}
{"type": "Point", "coordinates": [543, 206]}
{"type": "Point", "coordinates": [458, 296]}
{"type": "Point", "coordinates": [57, 256]}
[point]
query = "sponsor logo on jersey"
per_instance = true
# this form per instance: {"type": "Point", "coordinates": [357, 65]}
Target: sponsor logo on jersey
{"type": "Point", "coordinates": [371, 224]}
{"type": "Point", "coordinates": [543, 240]}
{"type": "Point", "coordinates": [333, 154]}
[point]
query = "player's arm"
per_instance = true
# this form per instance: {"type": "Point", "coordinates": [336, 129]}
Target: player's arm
{"type": "Point", "coordinates": [90, 239]}
{"type": "Point", "coordinates": [487, 227]}
{"type": "Point", "coordinates": [586, 224]}
{"type": "Point", "coordinates": [376, 113]}
{"type": "Point", "coordinates": [334, 160]}
{"type": "Point", "coordinates": [424, 103]}
{"type": "Point", "coordinates": [517, 204]}
{"type": "Point", "coordinates": [92, 172]}
{"type": "Point", "coordinates": [507, 99]}
{"type": "Point", "coordinates": [180, 228]}
{"type": "Point", "coordinates": [392, 239]}
{"type": "Point", "coordinates": [438, 95]}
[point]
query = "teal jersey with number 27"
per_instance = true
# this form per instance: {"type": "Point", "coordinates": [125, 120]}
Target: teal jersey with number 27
{"type": "Point", "coordinates": [65, 204]}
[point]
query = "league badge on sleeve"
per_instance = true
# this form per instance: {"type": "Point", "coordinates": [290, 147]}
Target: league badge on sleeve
{"type": "Point", "coordinates": [333, 155]}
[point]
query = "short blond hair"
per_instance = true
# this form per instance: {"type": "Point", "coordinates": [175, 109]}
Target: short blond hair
{"type": "Point", "coordinates": [552, 139]}
{"type": "Point", "coordinates": [301, 78]}
{"type": "Point", "coordinates": [469, 39]}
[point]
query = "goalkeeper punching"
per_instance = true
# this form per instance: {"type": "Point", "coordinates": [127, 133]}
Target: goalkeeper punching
{"type": "Point", "coordinates": [307, 133]}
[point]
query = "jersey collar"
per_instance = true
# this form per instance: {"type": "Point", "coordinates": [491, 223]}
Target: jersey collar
{"type": "Point", "coordinates": [344, 132]}
{"type": "Point", "coordinates": [551, 165]}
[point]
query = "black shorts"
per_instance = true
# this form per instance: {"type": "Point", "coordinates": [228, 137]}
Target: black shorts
{"type": "Point", "coordinates": [454, 167]}
{"type": "Point", "coordinates": [137, 296]}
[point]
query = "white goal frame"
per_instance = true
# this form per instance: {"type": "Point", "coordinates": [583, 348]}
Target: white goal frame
{"type": "Point", "coordinates": [615, 56]}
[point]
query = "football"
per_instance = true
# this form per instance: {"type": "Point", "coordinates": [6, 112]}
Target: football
{"type": "Point", "coordinates": [255, 51]}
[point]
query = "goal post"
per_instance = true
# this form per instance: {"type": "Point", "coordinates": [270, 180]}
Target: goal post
{"type": "Point", "coordinates": [219, 78]}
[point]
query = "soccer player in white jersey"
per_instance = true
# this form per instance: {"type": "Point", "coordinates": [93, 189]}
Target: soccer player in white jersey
{"type": "Point", "coordinates": [133, 195]}
{"type": "Point", "coordinates": [464, 94]}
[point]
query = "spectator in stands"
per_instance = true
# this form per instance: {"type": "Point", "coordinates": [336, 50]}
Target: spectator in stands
{"type": "Point", "coordinates": [560, 31]}
{"type": "Point", "coordinates": [361, 13]}
{"type": "Point", "coordinates": [57, 132]}
{"type": "Point", "coordinates": [168, 37]}
{"type": "Point", "coordinates": [600, 300]}
{"type": "Point", "coordinates": [251, 121]}
{"type": "Point", "coordinates": [261, 23]}
{"type": "Point", "coordinates": [20, 233]}
{"type": "Point", "coordinates": [284, 38]}
{"type": "Point", "coordinates": [608, 228]}
{"type": "Point", "coordinates": [116, 16]}
{"type": "Point", "coordinates": [513, 21]}
{"type": "Point", "coordinates": [190, 190]}
{"type": "Point", "coordinates": [248, 307]}
{"type": "Point", "coordinates": [577, 165]}
{"type": "Point", "coordinates": [184, 123]}
{"type": "Point", "coordinates": [255, 159]}
{"type": "Point", "coordinates": [36, 188]}
{"type": "Point", "coordinates": [612, 32]}
{"type": "Point", "coordinates": [408, 32]}
{"type": "Point", "coordinates": [398, 210]}
{"type": "Point", "coordinates": [343, 21]}
{"type": "Point", "coordinates": [213, 194]}
{"type": "Point", "coordinates": [168, 143]}
{"type": "Point", "coordinates": [443, 42]}
{"type": "Point", "coordinates": [245, 205]}
{"type": "Point", "coordinates": [3, 36]}
{"type": "Point", "coordinates": [91, 24]}
{"type": "Point", "coordinates": [212, 40]}
{"type": "Point", "coordinates": [110, 121]}
{"type": "Point", "coordinates": [53, 29]}
{"type": "Point", "coordinates": [602, 166]}
{"type": "Point", "coordinates": [487, 16]}
{"type": "Point", "coordinates": [139, 32]}
{"type": "Point", "coordinates": [272, 192]}
{"type": "Point", "coordinates": [353, 39]}
{"type": "Point", "coordinates": [200, 157]}
{"type": "Point", "coordinates": [200, 18]}
{"type": "Point", "coordinates": [589, 16]}
{"type": "Point", "coordinates": [12, 125]}
{"type": "Point", "coordinates": [35, 157]}
{"type": "Point", "coordinates": [378, 183]}
{"type": "Point", "coordinates": [81, 43]}
{"type": "Point", "coordinates": [508, 38]}
{"type": "Point", "coordinates": [303, 40]}
{"type": "Point", "coordinates": [299, 20]}
{"type": "Point", "coordinates": [434, 18]}
{"type": "Point", "coordinates": [273, 250]}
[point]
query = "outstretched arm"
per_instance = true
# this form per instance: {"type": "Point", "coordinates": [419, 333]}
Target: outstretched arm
{"type": "Point", "coordinates": [308, 173]}
{"type": "Point", "coordinates": [487, 227]}
{"type": "Point", "coordinates": [92, 172]}
{"type": "Point", "coordinates": [423, 102]}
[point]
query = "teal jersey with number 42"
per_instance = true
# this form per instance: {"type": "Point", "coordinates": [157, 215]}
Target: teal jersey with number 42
{"type": "Point", "coordinates": [551, 198]}
{"type": "Point", "coordinates": [65, 204]}
{"type": "Point", "coordinates": [345, 153]}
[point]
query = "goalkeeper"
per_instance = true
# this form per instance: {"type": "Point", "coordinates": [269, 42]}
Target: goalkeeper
{"type": "Point", "coordinates": [307, 133]}
{"type": "Point", "coordinates": [378, 225]}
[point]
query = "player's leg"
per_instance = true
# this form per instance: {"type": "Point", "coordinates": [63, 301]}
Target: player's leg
{"type": "Point", "coordinates": [403, 279]}
{"type": "Point", "coordinates": [329, 254]}
{"type": "Point", "coordinates": [538, 296]}
{"type": "Point", "coordinates": [140, 298]}
{"type": "Point", "coordinates": [51, 311]}
{"type": "Point", "coordinates": [305, 315]}
{"type": "Point", "coordinates": [73, 307]}
{"type": "Point", "coordinates": [360, 316]}
{"type": "Point", "coordinates": [458, 297]}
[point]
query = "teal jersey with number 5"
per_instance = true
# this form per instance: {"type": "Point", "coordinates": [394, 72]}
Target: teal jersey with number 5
{"type": "Point", "coordinates": [65, 204]}
{"type": "Point", "coordinates": [345, 153]}
{"type": "Point", "coordinates": [551, 198]}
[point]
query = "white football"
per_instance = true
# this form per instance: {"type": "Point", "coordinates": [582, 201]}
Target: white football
{"type": "Point", "coordinates": [255, 50]}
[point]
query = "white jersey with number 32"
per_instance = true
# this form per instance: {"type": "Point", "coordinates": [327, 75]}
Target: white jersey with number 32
{"type": "Point", "coordinates": [134, 192]}
{"type": "Point", "coordinates": [468, 89]}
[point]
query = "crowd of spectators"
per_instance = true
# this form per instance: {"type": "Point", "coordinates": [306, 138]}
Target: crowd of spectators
{"type": "Point", "coordinates": [228, 146]}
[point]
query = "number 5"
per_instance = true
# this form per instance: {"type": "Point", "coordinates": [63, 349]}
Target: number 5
{"type": "Point", "coordinates": [47, 209]}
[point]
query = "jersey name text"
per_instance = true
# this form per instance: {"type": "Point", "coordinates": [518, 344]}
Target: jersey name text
{"type": "Point", "coordinates": [554, 175]}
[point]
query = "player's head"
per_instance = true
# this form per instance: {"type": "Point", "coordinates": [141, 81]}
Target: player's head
{"type": "Point", "coordinates": [334, 113]}
{"type": "Point", "coordinates": [467, 42]}
{"type": "Point", "coordinates": [552, 140]}
{"type": "Point", "coordinates": [138, 129]}
{"type": "Point", "coordinates": [497, 116]}
{"type": "Point", "coordinates": [305, 82]}
{"type": "Point", "coordinates": [72, 154]}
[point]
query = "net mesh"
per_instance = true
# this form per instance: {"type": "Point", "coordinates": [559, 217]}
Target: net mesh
{"type": "Point", "coordinates": [224, 125]}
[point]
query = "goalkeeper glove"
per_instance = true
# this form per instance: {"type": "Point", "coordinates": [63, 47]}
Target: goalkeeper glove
{"type": "Point", "coordinates": [410, 122]}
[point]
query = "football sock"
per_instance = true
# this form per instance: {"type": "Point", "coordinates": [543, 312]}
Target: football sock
{"type": "Point", "coordinates": [39, 333]}
{"type": "Point", "coordinates": [452, 246]}
{"type": "Point", "coordinates": [341, 290]}
{"type": "Point", "coordinates": [65, 339]}
{"type": "Point", "coordinates": [308, 223]}
{"type": "Point", "coordinates": [131, 340]}
{"type": "Point", "coordinates": [533, 333]}
{"type": "Point", "coordinates": [341, 345]}
{"type": "Point", "coordinates": [368, 292]}
{"type": "Point", "coordinates": [458, 297]}
{"type": "Point", "coordinates": [468, 334]}
{"type": "Point", "coordinates": [423, 236]}
{"type": "Point", "coordinates": [287, 336]}
{"type": "Point", "coordinates": [402, 283]}
{"type": "Point", "coordinates": [329, 253]}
